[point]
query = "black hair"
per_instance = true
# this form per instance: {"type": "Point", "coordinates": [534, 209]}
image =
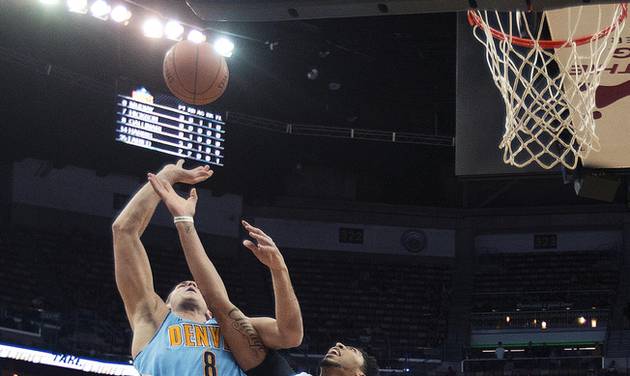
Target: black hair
{"type": "Point", "coordinates": [370, 365]}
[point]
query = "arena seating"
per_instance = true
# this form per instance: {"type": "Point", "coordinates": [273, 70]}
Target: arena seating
{"type": "Point", "coordinates": [394, 306]}
{"type": "Point", "coordinates": [539, 281]}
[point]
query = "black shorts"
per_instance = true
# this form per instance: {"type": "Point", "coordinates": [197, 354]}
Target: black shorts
{"type": "Point", "coordinates": [273, 365]}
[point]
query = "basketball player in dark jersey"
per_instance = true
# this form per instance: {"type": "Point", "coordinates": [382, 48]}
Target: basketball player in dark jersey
{"type": "Point", "coordinates": [180, 336]}
{"type": "Point", "coordinates": [342, 360]}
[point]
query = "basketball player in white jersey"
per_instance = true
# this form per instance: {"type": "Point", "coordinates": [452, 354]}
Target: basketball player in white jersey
{"type": "Point", "coordinates": [180, 336]}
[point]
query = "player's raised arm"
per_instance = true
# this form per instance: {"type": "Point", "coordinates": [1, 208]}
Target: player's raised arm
{"type": "Point", "coordinates": [237, 329]}
{"type": "Point", "coordinates": [144, 308]}
{"type": "Point", "coordinates": [285, 331]}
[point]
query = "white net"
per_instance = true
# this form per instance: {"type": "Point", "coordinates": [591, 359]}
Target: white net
{"type": "Point", "coordinates": [549, 86]}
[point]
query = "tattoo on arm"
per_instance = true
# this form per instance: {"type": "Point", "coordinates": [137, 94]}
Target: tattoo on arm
{"type": "Point", "coordinates": [244, 326]}
{"type": "Point", "coordinates": [187, 228]}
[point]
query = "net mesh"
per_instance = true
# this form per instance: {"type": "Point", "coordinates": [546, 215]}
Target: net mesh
{"type": "Point", "coordinates": [548, 86]}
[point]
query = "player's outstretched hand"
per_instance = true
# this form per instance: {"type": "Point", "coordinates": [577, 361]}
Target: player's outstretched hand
{"type": "Point", "coordinates": [264, 249]}
{"type": "Point", "coordinates": [177, 205]}
{"type": "Point", "coordinates": [176, 173]}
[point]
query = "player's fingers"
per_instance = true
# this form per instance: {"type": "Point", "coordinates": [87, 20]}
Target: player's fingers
{"type": "Point", "coordinates": [253, 229]}
{"type": "Point", "coordinates": [180, 163]}
{"type": "Point", "coordinates": [205, 168]}
{"type": "Point", "coordinates": [250, 245]}
{"type": "Point", "coordinates": [266, 248]}
{"type": "Point", "coordinates": [261, 232]}
{"type": "Point", "coordinates": [262, 239]}
{"type": "Point", "coordinates": [202, 175]}
{"type": "Point", "coordinates": [193, 195]}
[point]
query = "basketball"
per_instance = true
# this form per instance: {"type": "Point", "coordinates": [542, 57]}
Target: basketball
{"type": "Point", "coordinates": [195, 73]}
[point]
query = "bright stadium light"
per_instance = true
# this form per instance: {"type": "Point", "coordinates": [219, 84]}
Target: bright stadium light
{"type": "Point", "coordinates": [593, 323]}
{"type": "Point", "coordinates": [224, 47]}
{"type": "Point", "coordinates": [543, 325]}
{"type": "Point", "coordinates": [49, 2]}
{"type": "Point", "coordinates": [121, 14]}
{"type": "Point", "coordinates": [100, 9]}
{"type": "Point", "coordinates": [77, 6]}
{"type": "Point", "coordinates": [196, 36]}
{"type": "Point", "coordinates": [174, 30]}
{"type": "Point", "coordinates": [153, 28]}
{"type": "Point", "coordinates": [581, 320]}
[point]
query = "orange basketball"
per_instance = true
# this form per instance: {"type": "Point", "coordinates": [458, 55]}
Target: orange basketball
{"type": "Point", "coordinates": [195, 73]}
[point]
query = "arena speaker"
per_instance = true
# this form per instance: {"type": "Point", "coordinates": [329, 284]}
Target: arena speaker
{"type": "Point", "coordinates": [284, 10]}
{"type": "Point", "coordinates": [414, 241]}
{"type": "Point", "coordinates": [596, 187]}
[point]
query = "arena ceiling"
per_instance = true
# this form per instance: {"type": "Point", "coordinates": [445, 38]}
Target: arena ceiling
{"type": "Point", "coordinates": [394, 73]}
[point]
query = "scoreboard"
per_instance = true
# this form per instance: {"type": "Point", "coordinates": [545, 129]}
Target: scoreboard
{"type": "Point", "coordinates": [169, 126]}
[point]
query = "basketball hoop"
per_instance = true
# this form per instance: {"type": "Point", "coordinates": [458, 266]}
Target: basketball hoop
{"type": "Point", "coordinates": [548, 85]}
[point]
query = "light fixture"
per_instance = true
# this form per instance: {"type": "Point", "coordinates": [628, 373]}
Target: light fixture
{"type": "Point", "coordinates": [196, 36]}
{"type": "Point", "coordinates": [543, 325]}
{"type": "Point", "coordinates": [593, 323]}
{"type": "Point", "coordinates": [121, 14]}
{"type": "Point", "coordinates": [581, 320]}
{"type": "Point", "coordinates": [312, 74]}
{"type": "Point", "coordinates": [153, 28]}
{"type": "Point", "coordinates": [224, 47]}
{"type": "Point", "coordinates": [507, 319]}
{"type": "Point", "coordinates": [77, 6]}
{"type": "Point", "coordinates": [174, 30]}
{"type": "Point", "coordinates": [100, 9]}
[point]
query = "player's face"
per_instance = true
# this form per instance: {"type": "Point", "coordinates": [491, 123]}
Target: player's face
{"type": "Point", "coordinates": [345, 358]}
{"type": "Point", "coordinates": [185, 295]}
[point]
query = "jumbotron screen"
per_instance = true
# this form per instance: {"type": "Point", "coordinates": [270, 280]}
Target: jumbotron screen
{"type": "Point", "coordinates": [164, 124]}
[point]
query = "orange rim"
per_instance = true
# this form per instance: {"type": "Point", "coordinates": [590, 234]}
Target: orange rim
{"type": "Point", "coordinates": [475, 19]}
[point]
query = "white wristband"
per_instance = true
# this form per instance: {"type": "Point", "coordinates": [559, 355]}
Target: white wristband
{"type": "Point", "coordinates": [183, 218]}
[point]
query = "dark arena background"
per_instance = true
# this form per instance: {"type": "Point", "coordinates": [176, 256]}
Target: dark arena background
{"type": "Point", "coordinates": [361, 136]}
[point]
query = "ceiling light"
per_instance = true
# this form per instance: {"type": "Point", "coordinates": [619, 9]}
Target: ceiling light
{"type": "Point", "coordinates": [77, 6]}
{"type": "Point", "coordinates": [196, 36]}
{"type": "Point", "coordinates": [152, 28]}
{"type": "Point", "coordinates": [174, 30]}
{"type": "Point", "coordinates": [100, 9]}
{"type": "Point", "coordinates": [121, 14]}
{"type": "Point", "coordinates": [224, 47]}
